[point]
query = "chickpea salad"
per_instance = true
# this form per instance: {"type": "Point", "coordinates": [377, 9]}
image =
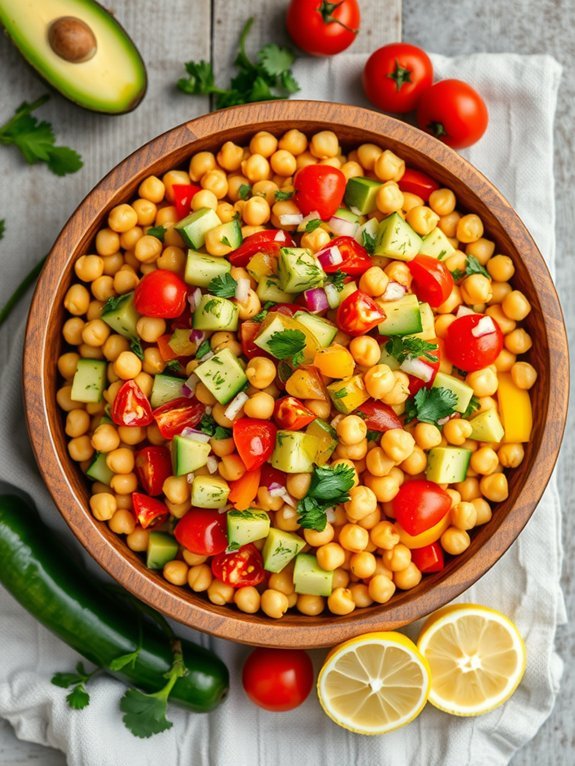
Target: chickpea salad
{"type": "Point", "coordinates": [294, 374]}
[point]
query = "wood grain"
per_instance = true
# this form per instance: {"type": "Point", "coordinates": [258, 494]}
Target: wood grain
{"type": "Point", "coordinates": [474, 192]}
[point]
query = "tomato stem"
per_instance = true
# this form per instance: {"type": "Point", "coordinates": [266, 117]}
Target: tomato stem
{"type": "Point", "coordinates": [327, 9]}
{"type": "Point", "coordinates": [400, 75]}
{"type": "Point", "coordinates": [437, 129]}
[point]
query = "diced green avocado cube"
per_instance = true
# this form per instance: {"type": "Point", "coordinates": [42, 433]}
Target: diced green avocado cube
{"type": "Point", "coordinates": [402, 317]}
{"type": "Point", "coordinates": [294, 452]}
{"type": "Point", "coordinates": [188, 454]}
{"type": "Point", "coordinates": [299, 270]}
{"type": "Point", "coordinates": [269, 289]}
{"type": "Point", "coordinates": [487, 427]}
{"type": "Point", "coordinates": [436, 245]}
{"type": "Point", "coordinates": [246, 526]}
{"type": "Point", "coordinates": [427, 323]}
{"type": "Point", "coordinates": [193, 227]}
{"type": "Point", "coordinates": [327, 438]}
{"type": "Point", "coordinates": [209, 492]}
{"type": "Point", "coordinates": [164, 389]}
{"type": "Point", "coordinates": [360, 192]}
{"type": "Point", "coordinates": [119, 314]}
{"type": "Point", "coordinates": [323, 330]}
{"type": "Point", "coordinates": [310, 578]}
{"type": "Point", "coordinates": [230, 233]}
{"type": "Point", "coordinates": [202, 268]}
{"type": "Point", "coordinates": [223, 375]}
{"type": "Point", "coordinates": [89, 381]}
{"type": "Point", "coordinates": [462, 391]}
{"type": "Point", "coordinates": [280, 548]}
{"type": "Point", "coordinates": [98, 469]}
{"type": "Point", "coordinates": [214, 313]}
{"type": "Point", "coordinates": [162, 548]}
{"type": "Point", "coordinates": [396, 239]}
{"type": "Point", "coordinates": [446, 465]}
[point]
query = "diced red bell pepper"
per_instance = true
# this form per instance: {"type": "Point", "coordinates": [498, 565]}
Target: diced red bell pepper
{"type": "Point", "coordinates": [148, 510]}
{"type": "Point", "coordinates": [153, 467]}
{"type": "Point", "coordinates": [356, 259]}
{"type": "Point", "coordinates": [131, 406]}
{"type": "Point", "coordinates": [378, 416]}
{"type": "Point", "coordinates": [416, 182]}
{"type": "Point", "coordinates": [291, 414]}
{"type": "Point", "coordinates": [269, 242]}
{"type": "Point", "coordinates": [178, 414]}
{"type": "Point", "coordinates": [183, 194]}
{"type": "Point", "coordinates": [255, 441]}
{"type": "Point", "coordinates": [428, 559]}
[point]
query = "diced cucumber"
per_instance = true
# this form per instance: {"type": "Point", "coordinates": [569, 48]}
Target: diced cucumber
{"type": "Point", "coordinates": [335, 296]}
{"type": "Point", "coordinates": [299, 270]}
{"type": "Point", "coordinates": [119, 314]}
{"type": "Point", "coordinates": [436, 245]}
{"type": "Point", "coordinates": [188, 455]}
{"type": "Point", "coordinates": [427, 322]}
{"type": "Point", "coordinates": [209, 492]}
{"type": "Point", "coordinates": [98, 469]}
{"type": "Point", "coordinates": [214, 313]}
{"type": "Point", "coordinates": [246, 526]}
{"type": "Point", "coordinates": [230, 233]}
{"type": "Point", "coordinates": [180, 342]}
{"type": "Point", "coordinates": [348, 394]}
{"type": "Point", "coordinates": [388, 359]}
{"type": "Point", "coordinates": [327, 440]}
{"type": "Point", "coordinates": [446, 465]}
{"type": "Point", "coordinates": [164, 389]}
{"type": "Point", "coordinates": [162, 548]}
{"type": "Point", "coordinates": [487, 427]}
{"type": "Point", "coordinates": [462, 391]}
{"type": "Point", "coordinates": [222, 375]}
{"type": "Point", "coordinates": [322, 329]}
{"type": "Point", "coordinates": [360, 192]}
{"type": "Point", "coordinates": [310, 578]}
{"type": "Point", "coordinates": [402, 317]}
{"type": "Point", "coordinates": [347, 215]}
{"type": "Point", "coordinates": [370, 228]}
{"type": "Point", "coordinates": [348, 289]}
{"type": "Point", "coordinates": [280, 548]}
{"type": "Point", "coordinates": [396, 239]}
{"type": "Point", "coordinates": [89, 381]}
{"type": "Point", "coordinates": [202, 268]}
{"type": "Point", "coordinates": [193, 227]}
{"type": "Point", "coordinates": [269, 289]}
{"type": "Point", "coordinates": [294, 452]}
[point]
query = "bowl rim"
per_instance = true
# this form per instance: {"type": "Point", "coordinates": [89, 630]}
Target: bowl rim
{"type": "Point", "coordinates": [302, 631]}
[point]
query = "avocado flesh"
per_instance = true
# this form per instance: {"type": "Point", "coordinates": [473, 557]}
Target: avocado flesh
{"type": "Point", "coordinates": [114, 80]}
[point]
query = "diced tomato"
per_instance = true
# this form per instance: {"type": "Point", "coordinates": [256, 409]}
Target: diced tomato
{"type": "Point", "coordinates": [241, 568]}
{"type": "Point", "coordinates": [416, 182]}
{"type": "Point", "coordinates": [244, 490]}
{"type": "Point", "coordinates": [358, 314]}
{"type": "Point", "coordinates": [432, 280]}
{"type": "Point", "coordinates": [202, 531]}
{"type": "Point", "coordinates": [429, 559]}
{"type": "Point", "coordinates": [153, 466]}
{"type": "Point", "coordinates": [271, 475]}
{"type": "Point", "coordinates": [378, 416]}
{"type": "Point", "coordinates": [178, 414]}
{"type": "Point", "coordinates": [183, 195]}
{"type": "Point", "coordinates": [420, 505]}
{"type": "Point", "coordinates": [248, 331]}
{"type": "Point", "coordinates": [131, 406]}
{"type": "Point", "coordinates": [356, 259]}
{"type": "Point", "coordinates": [254, 440]}
{"type": "Point", "coordinates": [292, 414]}
{"type": "Point", "coordinates": [472, 352]}
{"type": "Point", "coordinates": [269, 242]}
{"type": "Point", "coordinates": [166, 351]}
{"type": "Point", "coordinates": [148, 510]}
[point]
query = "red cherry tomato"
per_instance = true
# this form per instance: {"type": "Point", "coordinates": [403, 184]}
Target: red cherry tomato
{"type": "Point", "coordinates": [271, 475]}
{"type": "Point", "coordinates": [416, 182]}
{"type": "Point", "coordinates": [395, 77]}
{"type": "Point", "coordinates": [148, 510]}
{"type": "Point", "coordinates": [358, 314]}
{"type": "Point", "coordinates": [432, 280]}
{"type": "Point", "coordinates": [292, 414]}
{"type": "Point", "coordinates": [278, 679]}
{"type": "Point", "coordinates": [202, 531]}
{"type": "Point", "coordinates": [255, 441]}
{"type": "Point", "coordinates": [153, 466]}
{"type": "Point", "coordinates": [472, 352]}
{"type": "Point", "coordinates": [356, 259]}
{"type": "Point", "coordinates": [131, 406]}
{"type": "Point", "coordinates": [240, 568]}
{"type": "Point", "coordinates": [428, 559]}
{"type": "Point", "coordinates": [454, 112]}
{"type": "Point", "coordinates": [420, 505]}
{"type": "Point", "coordinates": [161, 293]}
{"type": "Point", "coordinates": [320, 189]}
{"type": "Point", "coordinates": [379, 416]}
{"type": "Point", "coordinates": [183, 195]}
{"type": "Point", "coordinates": [178, 414]}
{"type": "Point", "coordinates": [268, 242]}
{"type": "Point", "coordinates": [249, 331]}
{"type": "Point", "coordinates": [321, 28]}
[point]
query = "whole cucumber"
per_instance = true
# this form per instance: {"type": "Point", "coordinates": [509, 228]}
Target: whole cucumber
{"type": "Point", "coordinates": [41, 575]}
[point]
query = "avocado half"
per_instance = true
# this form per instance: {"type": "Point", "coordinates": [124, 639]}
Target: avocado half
{"type": "Point", "coordinates": [80, 50]}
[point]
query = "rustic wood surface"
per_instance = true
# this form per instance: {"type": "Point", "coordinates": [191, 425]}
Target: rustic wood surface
{"type": "Point", "coordinates": [523, 26]}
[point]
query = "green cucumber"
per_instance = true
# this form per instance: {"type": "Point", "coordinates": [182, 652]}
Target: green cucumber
{"type": "Point", "coordinates": [89, 381]}
{"type": "Point", "coordinates": [209, 492]}
{"type": "Point", "coordinates": [188, 454]}
{"type": "Point", "coordinates": [396, 239]}
{"type": "Point", "coordinates": [310, 578]}
{"type": "Point", "coordinates": [299, 270]}
{"type": "Point", "coordinates": [120, 314]}
{"type": "Point", "coordinates": [223, 375]}
{"type": "Point", "coordinates": [280, 548]}
{"type": "Point", "coordinates": [98, 469]}
{"type": "Point", "coordinates": [213, 313]}
{"type": "Point", "coordinates": [202, 268]}
{"type": "Point", "coordinates": [246, 526]}
{"type": "Point", "coordinates": [320, 328]}
{"type": "Point", "coordinates": [361, 192]}
{"type": "Point", "coordinates": [165, 388]}
{"type": "Point", "coordinates": [161, 549]}
{"type": "Point", "coordinates": [193, 228]}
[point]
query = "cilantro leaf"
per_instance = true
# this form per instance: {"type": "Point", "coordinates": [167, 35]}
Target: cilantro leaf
{"type": "Point", "coordinates": [474, 267]}
{"type": "Point", "coordinates": [281, 195]}
{"type": "Point", "coordinates": [207, 424]}
{"type": "Point", "coordinates": [337, 279]}
{"type": "Point", "coordinates": [2, 227]}
{"type": "Point", "coordinates": [222, 433]}
{"type": "Point", "coordinates": [368, 241]}
{"type": "Point", "coordinates": [373, 436]}
{"type": "Point", "coordinates": [275, 60]}
{"type": "Point", "coordinates": [203, 349]}
{"type": "Point", "coordinates": [64, 680]}
{"type": "Point", "coordinates": [63, 160]}
{"type": "Point", "coordinates": [409, 347]}
{"type": "Point", "coordinates": [78, 698]}
{"type": "Point", "coordinates": [312, 514]}
{"type": "Point", "coordinates": [245, 191]}
{"type": "Point", "coordinates": [224, 286]}
{"type": "Point", "coordinates": [312, 225]}
{"type": "Point", "coordinates": [261, 315]}
{"type": "Point", "coordinates": [113, 303]}
{"type": "Point", "coordinates": [157, 231]}
{"type": "Point", "coordinates": [136, 348]}
{"type": "Point", "coordinates": [124, 659]}
{"type": "Point", "coordinates": [457, 274]}
{"type": "Point", "coordinates": [173, 365]}
{"type": "Point", "coordinates": [471, 407]}
{"type": "Point", "coordinates": [430, 405]}
{"type": "Point", "coordinates": [200, 79]}
{"type": "Point", "coordinates": [286, 343]}
{"type": "Point", "coordinates": [329, 486]}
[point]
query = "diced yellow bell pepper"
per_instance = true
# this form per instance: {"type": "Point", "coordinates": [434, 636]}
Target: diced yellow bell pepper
{"type": "Point", "coordinates": [262, 265]}
{"type": "Point", "coordinates": [514, 409]}
{"type": "Point", "coordinates": [430, 535]}
{"type": "Point", "coordinates": [334, 361]}
{"type": "Point", "coordinates": [348, 394]}
{"type": "Point", "coordinates": [306, 383]}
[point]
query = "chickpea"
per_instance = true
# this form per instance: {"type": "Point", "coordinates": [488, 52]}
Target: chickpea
{"type": "Point", "coordinates": [260, 406]}
{"type": "Point", "coordinates": [378, 463]}
{"type": "Point", "coordinates": [398, 558]}
{"type": "Point", "coordinates": [389, 198]}
{"type": "Point", "coordinates": [77, 423]}
{"type": "Point", "coordinates": [501, 268]}
{"type": "Point", "coordinates": [374, 282]}
{"type": "Point", "coordinates": [138, 540]}
{"type": "Point", "coordinates": [416, 463]}
{"type": "Point", "coordinates": [422, 219]}
{"type": "Point", "coordinates": [340, 601]}
{"type": "Point", "coordinates": [297, 484]}
{"type": "Point", "coordinates": [315, 240]}
{"type": "Point", "coordinates": [260, 372]}
{"type": "Point", "coordinates": [205, 396]}
{"type": "Point", "coordinates": [366, 352]}
{"type": "Point", "coordinates": [483, 382]}
{"type": "Point", "coordinates": [351, 429]}
{"type": "Point", "coordinates": [267, 502]}
{"type": "Point", "coordinates": [524, 375]}
{"type": "Point", "coordinates": [362, 564]}
{"type": "Point", "coordinates": [518, 341]}
{"type": "Point", "coordinates": [176, 489]}
{"type": "Point", "coordinates": [469, 228]}
{"type": "Point", "coordinates": [105, 438]}
{"type": "Point", "coordinates": [397, 444]}
{"type": "Point", "coordinates": [287, 518]}
{"type": "Point", "coordinates": [281, 208]}
{"type": "Point", "coordinates": [330, 556]}
{"type": "Point", "coordinates": [448, 223]}
{"type": "Point", "coordinates": [494, 487]}
{"type": "Point", "coordinates": [476, 289]}
{"type": "Point", "coordinates": [385, 488]}
{"type": "Point", "coordinates": [67, 364]}
{"type": "Point", "coordinates": [247, 599]}
{"type": "Point", "coordinates": [250, 307]}
{"type": "Point", "coordinates": [407, 578]}
{"type": "Point", "coordinates": [362, 502]}
{"type": "Point", "coordinates": [120, 460]}
{"type": "Point", "coordinates": [324, 144]}
{"type": "Point", "coordinates": [442, 201]}
{"type": "Point", "coordinates": [351, 170]}
{"type": "Point", "coordinates": [379, 381]}
{"type": "Point", "coordinates": [176, 572]}
{"type": "Point", "coordinates": [400, 391]}
{"type": "Point", "coordinates": [294, 141]}
{"type": "Point", "coordinates": [367, 155]}
{"type": "Point", "coordinates": [316, 539]}
{"type": "Point", "coordinates": [482, 509]}
{"type": "Point", "coordinates": [484, 461]}
{"type": "Point", "coordinates": [200, 579]}
{"type": "Point", "coordinates": [511, 455]}
{"type": "Point", "coordinates": [103, 506]}
{"type": "Point", "coordinates": [381, 588]}
{"type": "Point", "coordinates": [353, 538]}
{"type": "Point", "coordinates": [282, 581]}
{"type": "Point", "coordinates": [77, 300]}
{"type": "Point", "coordinates": [505, 361]}
{"type": "Point", "coordinates": [310, 605]}
{"type": "Point", "coordinates": [454, 541]}
{"type": "Point", "coordinates": [274, 603]}
{"type": "Point", "coordinates": [127, 365]}
{"type": "Point", "coordinates": [89, 267]}
{"type": "Point", "coordinates": [389, 167]}
{"type": "Point", "coordinates": [464, 515]}
{"type": "Point", "coordinates": [220, 593]}
{"type": "Point", "coordinates": [107, 242]}
{"type": "Point", "coordinates": [457, 430]}
{"type": "Point", "coordinates": [231, 468]}
{"type": "Point", "coordinates": [427, 436]}
{"type": "Point", "coordinates": [72, 331]}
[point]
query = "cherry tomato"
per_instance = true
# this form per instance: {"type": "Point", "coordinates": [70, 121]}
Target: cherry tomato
{"type": "Point", "coordinates": [378, 416]}
{"type": "Point", "coordinates": [429, 559]}
{"type": "Point", "coordinates": [468, 351]}
{"type": "Point", "coordinates": [178, 414]}
{"type": "Point", "coordinates": [268, 242]}
{"type": "Point", "coordinates": [153, 466]}
{"type": "Point", "coordinates": [416, 182]}
{"type": "Point", "coordinates": [248, 331]}
{"type": "Point", "coordinates": [396, 76]}
{"type": "Point", "coordinates": [240, 568]}
{"type": "Point", "coordinates": [321, 28]}
{"type": "Point", "coordinates": [292, 414]}
{"type": "Point", "coordinates": [244, 489]}
{"type": "Point", "coordinates": [202, 531]}
{"type": "Point", "coordinates": [420, 505]}
{"type": "Point", "coordinates": [148, 510]}
{"type": "Point", "coordinates": [319, 188]}
{"type": "Point", "coordinates": [255, 441]}
{"type": "Point", "coordinates": [358, 314]}
{"type": "Point", "coordinates": [183, 194]}
{"type": "Point", "coordinates": [271, 475]}
{"type": "Point", "coordinates": [454, 112]}
{"type": "Point", "coordinates": [356, 259]}
{"type": "Point", "coordinates": [161, 293]}
{"type": "Point", "coordinates": [432, 280]}
{"type": "Point", "coordinates": [278, 679]}
{"type": "Point", "coordinates": [131, 406]}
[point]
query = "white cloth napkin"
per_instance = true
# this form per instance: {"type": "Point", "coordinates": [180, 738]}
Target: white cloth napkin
{"type": "Point", "coordinates": [516, 154]}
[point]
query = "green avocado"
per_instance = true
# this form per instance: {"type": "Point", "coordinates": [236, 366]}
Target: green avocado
{"type": "Point", "coordinates": [80, 50]}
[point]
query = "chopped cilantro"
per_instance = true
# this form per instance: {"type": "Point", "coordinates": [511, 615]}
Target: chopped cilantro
{"type": "Point", "coordinates": [281, 195]}
{"type": "Point", "coordinates": [173, 366]}
{"type": "Point", "coordinates": [211, 307]}
{"type": "Point", "coordinates": [471, 407]}
{"type": "Point", "coordinates": [368, 241]}
{"type": "Point", "coordinates": [430, 405]}
{"type": "Point", "coordinates": [136, 348]}
{"type": "Point", "coordinates": [207, 424]}
{"type": "Point", "coordinates": [113, 303]}
{"type": "Point", "coordinates": [157, 231]}
{"type": "Point", "coordinates": [409, 347]}
{"type": "Point", "coordinates": [329, 486]}
{"type": "Point", "coordinates": [312, 225]}
{"type": "Point", "coordinates": [222, 433]}
{"type": "Point", "coordinates": [203, 349]}
{"type": "Point", "coordinates": [224, 286]}
{"type": "Point", "coordinates": [337, 279]}
{"type": "Point", "coordinates": [340, 394]}
{"type": "Point", "coordinates": [472, 266]}
{"type": "Point", "coordinates": [286, 343]}
{"type": "Point", "coordinates": [245, 191]}
{"type": "Point", "coordinates": [260, 316]}
{"type": "Point", "coordinates": [373, 436]}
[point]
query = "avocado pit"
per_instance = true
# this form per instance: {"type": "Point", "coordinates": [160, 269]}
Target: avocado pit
{"type": "Point", "coordinates": [72, 39]}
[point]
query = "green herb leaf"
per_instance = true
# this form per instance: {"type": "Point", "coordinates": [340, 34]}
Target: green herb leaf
{"type": "Point", "coordinates": [222, 433]}
{"type": "Point", "coordinates": [286, 343]}
{"type": "Point", "coordinates": [373, 436]}
{"type": "Point", "coordinates": [245, 191]}
{"type": "Point", "coordinates": [340, 393]}
{"type": "Point", "coordinates": [224, 286]}
{"type": "Point", "coordinates": [312, 514]}
{"type": "Point", "coordinates": [213, 307]}
{"type": "Point", "coordinates": [174, 366]}
{"type": "Point", "coordinates": [337, 279]}
{"type": "Point", "coordinates": [368, 241]}
{"type": "Point", "coordinates": [429, 405]}
{"type": "Point", "coordinates": [136, 348]}
{"type": "Point", "coordinates": [474, 267]}
{"type": "Point", "coordinates": [260, 316]}
{"type": "Point", "coordinates": [329, 487]}
{"type": "Point", "coordinates": [78, 698]}
{"type": "Point", "coordinates": [281, 195]}
{"type": "Point", "coordinates": [410, 347]}
{"type": "Point", "coordinates": [275, 60]}
{"type": "Point", "coordinates": [203, 349]}
{"type": "Point", "coordinates": [124, 659]}
{"type": "Point", "coordinates": [457, 274]}
{"type": "Point", "coordinates": [473, 405]}
{"type": "Point", "coordinates": [113, 303]}
{"type": "Point", "coordinates": [64, 680]}
{"type": "Point", "coordinates": [157, 231]}
{"type": "Point", "coordinates": [207, 424]}
{"type": "Point", "coordinates": [312, 225]}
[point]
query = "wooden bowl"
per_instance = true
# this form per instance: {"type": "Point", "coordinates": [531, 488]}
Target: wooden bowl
{"type": "Point", "coordinates": [353, 126]}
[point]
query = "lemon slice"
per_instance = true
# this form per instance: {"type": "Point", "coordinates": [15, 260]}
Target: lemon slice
{"type": "Point", "coordinates": [477, 658]}
{"type": "Point", "coordinates": [374, 683]}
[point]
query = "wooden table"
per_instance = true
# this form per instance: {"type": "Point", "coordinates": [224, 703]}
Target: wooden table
{"type": "Point", "coordinates": [169, 33]}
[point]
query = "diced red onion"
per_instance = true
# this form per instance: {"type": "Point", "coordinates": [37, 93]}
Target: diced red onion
{"type": "Point", "coordinates": [316, 300]}
{"type": "Point", "coordinates": [197, 336]}
{"type": "Point", "coordinates": [418, 368]}
{"type": "Point", "coordinates": [212, 464]}
{"type": "Point", "coordinates": [485, 326]}
{"type": "Point", "coordinates": [194, 298]}
{"type": "Point", "coordinates": [342, 227]}
{"type": "Point", "coordinates": [291, 219]}
{"type": "Point", "coordinates": [393, 292]}
{"type": "Point", "coordinates": [195, 435]}
{"type": "Point", "coordinates": [242, 290]}
{"type": "Point", "coordinates": [330, 256]}
{"type": "Point", "coordinates": [235, 405]}
{"type": "Point", "coordinates": [186, 391]}
{"type": "Point", "coordinates": [275, 488]}
{"type": "Point", "coordinates": [333, 295]}
{"type": "Point", "coordinates": [464, 311]}
{"type": "Point", "coordinates": [191, 384]}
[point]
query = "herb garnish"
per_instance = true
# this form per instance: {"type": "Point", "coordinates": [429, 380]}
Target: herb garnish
{"type": "Point", "coordinates": [473, 405]}
{"type": "Point", "coordinates": [472, 266]}
{"type": "Point", "coordinates": [430, 405]}
{"type": "Point", "coordinates": [245, 191]}
{"type": "Point", "coordinates": [281, 195]}
{"type": "Point", "coordinates": [136, 348]}
{"type": "Point", "coordinates": [368, 241]}
{"type": "Point", "coordinates": [312, 225]}
{"type": "Point", "coordinates": [337, 279]}
{"type": "Point", "coordinates": [261, 315]}
{"type": "Point", "coordinates": [329, 486]}
{"type": "Point", "coordinates": [224, 286]}
{"type": "Point", "coordinates": [157, 231]}
{"type": "Point", "coordinates": [410, 347]}
{"type": "Point", "coordinates": [203, 349]}
{"type": "Point", "coordinates": [78, 698]}
{"type": "Point", "coordinates": [286, 344]}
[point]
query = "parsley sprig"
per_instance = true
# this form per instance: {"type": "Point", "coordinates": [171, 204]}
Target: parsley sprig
{"type": "Point", "coordinates": [288, 344]}
{"type": "Point", "coordinates": [368, 241]}
{"type": "Point", "coordinates": [472, 266]}
{"type": "Point", "coordinates": [36, 140]}
{"type": "Point", "coordinates": [224, 286]}
{"type": "Point", "coordinates": [410, 347]}
{"type": "Point", "coordinates": [430, 405]}
{"type": "Point", "coordinates": [270, 77]}
{"type": "Point", "coordinates": [329, 487]}
{"type": "Point", "coordinates": [337, 279]}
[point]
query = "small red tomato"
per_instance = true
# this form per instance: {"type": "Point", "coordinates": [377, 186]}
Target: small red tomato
{"type": "Point", "coordinates": [321, 28]}
{"type": "Point", "coordinates": [454, 112]}
{"type": "Point", "coordinates": [358, 314]}
{"type": "Point", "coordinates": [239, 568]}
{"type": "Point", "coordinates": [291, 414]}
{"type": "Point", "coordinates": [278, 679]}
{"type": "Point", "coordinates": [178, 414]}
{"type": "Point", "coordinates": [379, 416]}
{"type": "Point", "coordinates": [320, 189]}
{"type": "Point", "coordinates": [203, 532]}
{"type": "Point", "coordinates": [183, 194]}
{"type": "Point", "coordinates": [416, 182]}
{"type": "Point", "coordinates": [161, 293]}
{"type": "Point", "coordinates": [428, 559]}
{"type": "Point", "coordinates": [470, 346]}
{"type": "Point", "coordinates": [432, 280]}
{"type": "Point", "coordinates": [131, 406]}
{"type": "Point", "coordinates": [356, 259]}
{"type": "Point", "coordinates": [396, 76]}
{"type": "Point", "coordinates": [148, 510]}
{"type": "Point", "coordinates": [254, 440]}
{"type": "Point", "coordinates": [153, 466]}
{"type": "Point", "coordinates": [268, 242]}
{"type": "Point", "coordinates": [420, 505]}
